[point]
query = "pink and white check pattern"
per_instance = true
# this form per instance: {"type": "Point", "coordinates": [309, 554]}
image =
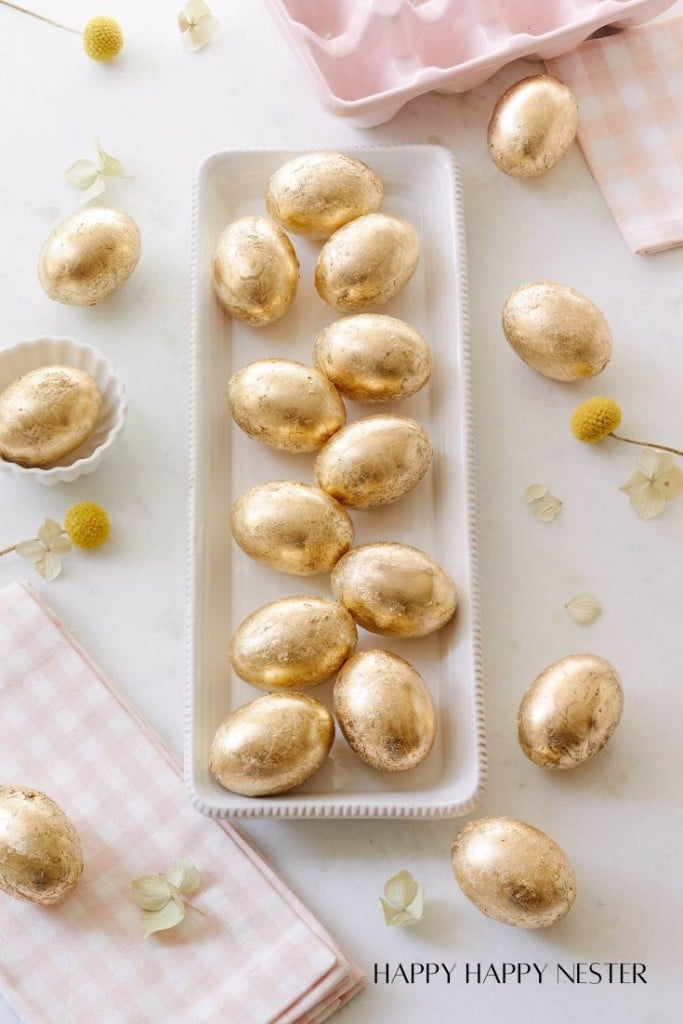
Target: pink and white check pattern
{"type": "Point", "coordinates": [256, 957]}
{"type": "Point", "coordinates": [629, 87]}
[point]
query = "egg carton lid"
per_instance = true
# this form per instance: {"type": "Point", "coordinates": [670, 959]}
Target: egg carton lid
{"type": "Point", "coordinates": [367, 58]}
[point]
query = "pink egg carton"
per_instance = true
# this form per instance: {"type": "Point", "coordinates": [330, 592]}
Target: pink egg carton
{"type": "Point", "coordinates": [367, 58]}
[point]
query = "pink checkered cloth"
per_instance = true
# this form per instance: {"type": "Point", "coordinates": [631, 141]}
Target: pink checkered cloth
{"type": "Point", "coordinates": [629, 87]}
{"type": "Point", "coordinates": [256, 957]}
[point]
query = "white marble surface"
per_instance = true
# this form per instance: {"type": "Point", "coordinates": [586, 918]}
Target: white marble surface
{"type": "Point", "coordinates": [619, 819]}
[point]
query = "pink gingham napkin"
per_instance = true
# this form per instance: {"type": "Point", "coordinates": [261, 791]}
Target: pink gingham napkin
{"type": "Point", "coordinates": [629, 87]}
{"type": "Point", "coordinates": [257, 956]}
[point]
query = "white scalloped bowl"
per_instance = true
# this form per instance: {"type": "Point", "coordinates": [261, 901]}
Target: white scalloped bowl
{"type": "Point", "coordinates": [31, 355]}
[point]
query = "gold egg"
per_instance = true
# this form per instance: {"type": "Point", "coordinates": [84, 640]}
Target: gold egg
{"type": "Point", "coordinates": [374, 461]}
{"type": "Point", "coordinates": [254, 270]}
{"type": "Point", "coordinates": [286, 405]}
{"type": "Point", "coordinates": [367, 262]}
{"type": "Point", "coordinates": [513, 872]}
{"type": "Point", "coordinates": [272, 744]}
{"type": "Point", "coordinates": [89, 256]}
{"type": "Point", "coordinates": [394, 589]}
{"type": "Point", "coordinates": [371, 357]}
{"type": "Point", "coordinates": [570, 711]}
{"type": "Point", "coordinates": [316, 193]}
{"type": "Point", "coordinates": [557, 331]}
{"type": "Point", "coordinates": [293, 642]}
{"type": "Point", "coordinates": [46, 414]}
{"type": "Point", "coordinates": [385, 711]}
{"type": "Point", "coordinates": [292, 527]}
{"type": "Point", "coordinates": [40, 852]}
{"type": "Point", "coordinates": [532, 126]}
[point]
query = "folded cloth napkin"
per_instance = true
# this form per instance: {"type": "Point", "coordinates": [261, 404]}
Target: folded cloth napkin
{"type": "Point", "coordinates": [256, 955]}
{"type": "Point", "coordinates": [629, 87]}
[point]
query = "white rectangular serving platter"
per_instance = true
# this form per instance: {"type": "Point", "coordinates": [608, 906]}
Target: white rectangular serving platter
{"type": "Point", "coordinates": [422, 184]}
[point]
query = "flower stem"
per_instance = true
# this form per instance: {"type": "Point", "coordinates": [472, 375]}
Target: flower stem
{"type": "Point", "coordinates": [647, 444]}
{"type": "Point", "coordinates": [40, 17]}
{"type": "Point", "coordinates": [6, 551]}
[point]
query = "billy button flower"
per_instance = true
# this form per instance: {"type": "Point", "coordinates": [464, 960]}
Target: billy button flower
{"type": "Point", "coordinates": [102, 36]}
{"type": "Point", "coordinates": [657, 480]}
{"type": "Point", "coordinates": [86, 525]}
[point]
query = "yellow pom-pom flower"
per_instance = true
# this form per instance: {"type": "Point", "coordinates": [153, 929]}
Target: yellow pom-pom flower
{"type": "Point", "coordinates": [86, 525]}
{"type": "Point", "coordinates": [102, 38]}
{"type": "Point", "coordinates": [595, 419]}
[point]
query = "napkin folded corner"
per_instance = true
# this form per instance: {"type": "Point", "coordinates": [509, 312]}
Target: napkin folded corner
{"type": "Point", "coordinates": [629, 87]}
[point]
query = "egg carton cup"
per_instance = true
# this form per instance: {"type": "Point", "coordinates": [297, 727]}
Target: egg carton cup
{"type": "Point", "coordinates": [31, 355]}
{"type": "Point", "coordinates": [367, 58]}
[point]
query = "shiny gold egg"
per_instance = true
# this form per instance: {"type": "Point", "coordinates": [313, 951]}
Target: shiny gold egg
{"type": "Point", "coordinates": [371, 357]}
{"type": "Point", "coordinates": [570, 711]}
{"type": "Point", "coordinates": [89, 256]}
{"type": "Point", "coordinates": [46, 414]}
{"type": "Point", "coordinates": [254, 270]}
{"type": "Point", "coordinates": [272, 744]}
{"type": "Point", "coordinates": [367, 262]}
{"type": "Point", "coordinates": [385, 711]}
{"type": "Point", "coordinates": [40, 852]}
{"type": "Point", "coordinates": [513, 872]}
{"type": "Point", "coordinates": [532, 126]}
{"type": "Point", "coordinates": [394, 589]}
{"type": "Point", "coordinates": [292, 527]}
{"type": "Point", "coordinates": [557, 331]}
{"type": "Point", "coordinates": [374, 461]}
{"type": "Point", "coordinates": [316, 193]}
{"type": "Point", "coordinates": [286, 405]}
{"type": "Point", "coordinates": [293, 642]}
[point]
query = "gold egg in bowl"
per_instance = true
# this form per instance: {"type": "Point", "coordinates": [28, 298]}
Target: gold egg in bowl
{"type": "Point", "coordinates": [385, 711]}
{"type": "Point", "coordinates": [372, 357]}
{"type": "Point", "coordinates": [557, 331]}
{"type": "Point", "coordinates": [316, 193]}
{"type": "Point", "coordinates": [62, 406]}
{"type": "Point", "coordinates": [374, 461]}
{"type": "Point", "coordinates": [513, 872]}
{"type": "Point", "coordinates": [271, 744]}
{"type": "Point", "coordinates": [570, 711]}
{"type": "Point", "coordinates": [285, 405]}
{"type": "Point", "coordinates": [89, 256]}
{"type": "Point", "coordinates": [394, 589]}
{"type": "Point", "coordinates": [532, 126]}
{"type": "Point", "coordinates": [40, 852]}
{"type": "Point", "coordinates": [46, 414]}
{"type": "Point", "coordinates": [292, 527]}
{"type": "Point", "coordinates": [254, 270]}
{"type": "Point", "coordinates": [293, 642]}
{"type": "Point", "coordinates": [366, 262]}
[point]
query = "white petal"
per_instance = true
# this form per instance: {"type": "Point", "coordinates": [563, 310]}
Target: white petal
{"type": "Point", "coordinates": [109, 165]}
{"type": "Point", "coordinates": [183, 23]}
{"type": "Point", "coordinates": [534, 492]}
{"type": "Point", "coordinates": [49, 567]}
{"type": "Point", "coordinates": [159, 920]}
{"type": "Point", "coordinates": [81, 174]}
{"type": "Point", "coordinates": [416, 907]}
{"type": "Point", "coordinates": [61, 545]}
{"type": "Point", "coordinates": [583, 609]}
{"type": "Point", "coordinates": [645, 500]}
{"type": "Point", "coordinates": [652, 461]}
{"type": "Point", "coordinates": [547, 508]}
{"type": "Point", "coordinates": [401, 889]}
{"type": "Point", "coordinates": [32, 550]}
{"type": "Point", "coordinates": [95, 190]}
{"type": "Point", "coordinates": [195, 10]}
{"type": "Point", "coordinates": [183, 875]}
{"type": "Point", "coordinates": [152, 892]}
{"type": "Point", "coordinates": [392, 916]}
{"type": "Point", "coordinates": [49, 532]}
{"type": "Point", "coordinates": [669, 483]}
